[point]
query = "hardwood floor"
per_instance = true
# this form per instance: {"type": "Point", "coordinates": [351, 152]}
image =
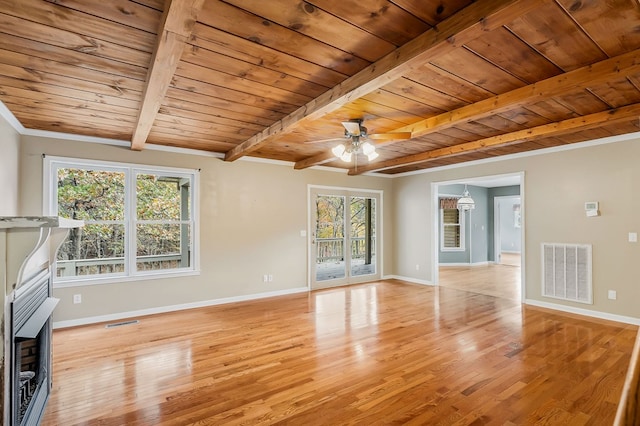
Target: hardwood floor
{"type": "Point", "coordinates": [503, 280]}
{"type": "Point", "coordinates": [513, 259]}
{"type": "Point", "coordinates": [379, 353]}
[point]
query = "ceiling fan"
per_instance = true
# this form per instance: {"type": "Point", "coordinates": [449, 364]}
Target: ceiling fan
{"type": "Point", "coordinates": [357, 136]}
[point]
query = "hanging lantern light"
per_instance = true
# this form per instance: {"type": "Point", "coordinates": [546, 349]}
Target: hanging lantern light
{"type": "Point", "coordinates": [466, 202]}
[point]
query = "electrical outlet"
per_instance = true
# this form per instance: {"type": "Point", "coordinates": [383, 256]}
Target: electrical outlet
{"type": "Point", "coordinates": [270, 277]}
{"type": "Point", "coordinates": [77, 298]}
{"type": "Point", "coordinates": [613, 295]}
{"type": "Point", "coordinates": [265, 278]}
{"type": "Point", "coordinates": [417, 266]}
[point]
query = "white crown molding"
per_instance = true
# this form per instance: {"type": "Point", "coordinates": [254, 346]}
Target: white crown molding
{"type": "Point", "coordinates": [11, 119]}
{"type": "Point", "coordinates": [543, 151]}
{"type": "Point", "coordinates": [18, 127]}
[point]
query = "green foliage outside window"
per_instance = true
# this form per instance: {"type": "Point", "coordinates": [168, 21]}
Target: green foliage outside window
{"type": "Point", "coordinates": [162, 214]}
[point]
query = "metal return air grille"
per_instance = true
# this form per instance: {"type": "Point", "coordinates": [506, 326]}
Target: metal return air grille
{"type": "Point", "coordinates": [566, 272]}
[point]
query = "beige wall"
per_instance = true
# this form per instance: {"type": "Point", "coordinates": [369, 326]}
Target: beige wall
{"type": "Point", "coordinates": [251, 215]}
{"type": "Point", "coordinates": [9, 149]}
{"type": "Point", "coordinates": [556, 186]}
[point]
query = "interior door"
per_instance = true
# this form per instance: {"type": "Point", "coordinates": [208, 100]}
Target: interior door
{"type": "Point", "coordinates": [343, 243]}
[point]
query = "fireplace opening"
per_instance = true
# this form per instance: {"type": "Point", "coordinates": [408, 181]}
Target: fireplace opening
{"type": "Point", "coordinates": [31, 374]}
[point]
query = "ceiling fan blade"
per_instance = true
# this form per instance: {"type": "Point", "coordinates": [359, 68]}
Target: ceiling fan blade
{"type": "Point", "coordinates": [327, 140]}
{"type": "Point", "coordinates": [390, 136]}
{"type": "Point", "coordinates": [353, 127]}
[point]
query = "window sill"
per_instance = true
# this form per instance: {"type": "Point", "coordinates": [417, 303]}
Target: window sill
{"type": "Point", "coordinates": [79, 282]}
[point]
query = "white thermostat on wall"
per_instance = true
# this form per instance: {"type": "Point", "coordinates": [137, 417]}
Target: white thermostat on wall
{"type": "Point", "coordinates": [591, 207]}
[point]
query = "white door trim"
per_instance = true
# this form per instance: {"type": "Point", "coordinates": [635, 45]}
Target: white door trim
{"type": "Point", "coordinates": [344, 191]}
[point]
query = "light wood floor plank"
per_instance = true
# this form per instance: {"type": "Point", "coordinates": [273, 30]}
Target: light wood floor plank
{"type": "Point", "coordinates": [380, 353]}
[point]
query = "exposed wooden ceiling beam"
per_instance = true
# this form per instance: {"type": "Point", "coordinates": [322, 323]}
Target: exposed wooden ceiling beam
{"type": "Point", "coordinates": [589, 76]}
{"type": "Point", "coordinates": [621, 66]}
{"type": "Point", "coordinates": [461, 28]}
{"type": "Point", "coordinates": [553, 129]}
{"type": "Point", "coordinates": [175, 29]}
{"type": "Point", "coordinates": [316, 160]}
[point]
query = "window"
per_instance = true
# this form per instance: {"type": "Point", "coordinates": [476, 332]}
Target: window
{"type": "Point", "coordinates": [451, 229]}
{"type": "Point", "coordinates": [139, 220]}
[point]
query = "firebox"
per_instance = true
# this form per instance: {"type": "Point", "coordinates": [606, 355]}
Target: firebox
{"type": "Point", "coordinates": [31, 340]}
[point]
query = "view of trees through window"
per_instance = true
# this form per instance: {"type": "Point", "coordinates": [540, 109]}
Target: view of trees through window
{"type": "Point", "coordinates": [99, 197]}
{"type": "Point", "coordinates": [330, 227]}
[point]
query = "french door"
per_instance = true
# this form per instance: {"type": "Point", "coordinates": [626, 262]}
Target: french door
{"type": "Point", "coordinates": [344, 245]}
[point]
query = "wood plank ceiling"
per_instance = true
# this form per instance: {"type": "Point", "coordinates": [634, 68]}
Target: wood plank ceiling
{"type": "Point", "coordinates": [469, 79]}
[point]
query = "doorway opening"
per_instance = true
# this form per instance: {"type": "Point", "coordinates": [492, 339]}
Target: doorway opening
{"type": "Point", "coordinates": [507, 230]}
{"type": "Point", "coordinates": [491, 259]}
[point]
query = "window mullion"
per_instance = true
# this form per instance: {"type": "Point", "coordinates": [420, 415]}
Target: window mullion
{"type": "Point", "coordinates": [131, 221]}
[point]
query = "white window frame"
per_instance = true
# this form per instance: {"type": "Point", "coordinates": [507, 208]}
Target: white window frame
{"type": "Point", "coordinates": [50, 208]}
{"type": "Point", "coordinates": [461, 224]}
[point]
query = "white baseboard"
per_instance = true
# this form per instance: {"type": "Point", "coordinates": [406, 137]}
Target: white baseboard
{"type": "Point", "coordinates": [585, 312]}
{"type": "Point", "coordinates": [408, 279]}
{"type": "Point", "coordinates": [172, 308]}
{"type": "Point", "coordinates": [485, 263]}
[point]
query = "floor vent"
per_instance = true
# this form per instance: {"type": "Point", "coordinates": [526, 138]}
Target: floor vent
{"type": "Point", "coordinates": [120, 324]}
{"type": "Point", "coordinates": [566, 272]}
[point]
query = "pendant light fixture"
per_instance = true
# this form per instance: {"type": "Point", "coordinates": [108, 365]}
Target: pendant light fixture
{"type": "Point", "coordinates": [466, 202]}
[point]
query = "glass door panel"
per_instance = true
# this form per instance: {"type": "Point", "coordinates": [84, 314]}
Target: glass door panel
{"type": "Point", "coordinates": [344, 243]}
{"type": "Point", "coordinates": [362, 235]}
{"type": "Point", "coordinates": [330, 238]}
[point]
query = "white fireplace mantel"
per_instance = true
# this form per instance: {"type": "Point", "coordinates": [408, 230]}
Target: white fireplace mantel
{"type": "Point", "coordinates": [28, 247]}
{"type": "Point", "coordinates": [30, 243]}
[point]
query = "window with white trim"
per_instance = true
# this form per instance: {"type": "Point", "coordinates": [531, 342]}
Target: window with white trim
{"type": "Point", "coordinates": [139, 220]}
{"type": "Point", "coordinates": [451, 229]}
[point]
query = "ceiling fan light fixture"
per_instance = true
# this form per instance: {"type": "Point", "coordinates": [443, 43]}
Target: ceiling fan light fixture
{"type": "Point", "coordinates": [372, 156]}
{"type": "Point", "coordinates": [338, 150]}
{"type": "Point", "coordinates": [368, 149]}
{"type": "Point", "coordinates": [346, 156]}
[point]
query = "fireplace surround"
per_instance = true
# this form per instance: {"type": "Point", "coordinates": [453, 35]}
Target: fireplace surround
{"type": "Point", "coordinates": [27, 251]}
{"type": "Point", "coordinates": [30, 340]}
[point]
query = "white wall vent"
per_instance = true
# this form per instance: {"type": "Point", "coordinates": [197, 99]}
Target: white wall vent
{"type": "Point", "coordinates": [566, 272]}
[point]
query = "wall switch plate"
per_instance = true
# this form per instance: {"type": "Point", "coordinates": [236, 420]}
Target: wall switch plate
{"type": "Point", "coordinates": [265, 278]}
{"type": "Point", "coordinates": [633, 237]}
{"type": "Point", "coordinates": [613, 295]}
{"type": "Point", "coordinates": [77, 298]}
{"type": "Point", "coordinates": [303, 233]}
{"type": "Point", "coordinates": [270, 277]}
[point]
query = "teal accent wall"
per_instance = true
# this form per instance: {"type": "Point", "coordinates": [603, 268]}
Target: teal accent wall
{"type": "Point", "coordinates": [476, 225]}
{"type": "Point", "coordinates": [501, 191]}
{"type": "Point", "coordinates": [479, 233]}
